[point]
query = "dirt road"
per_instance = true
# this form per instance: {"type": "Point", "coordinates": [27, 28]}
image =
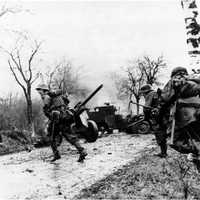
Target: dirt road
{"type": "Point", "coordinates": [31, 175]}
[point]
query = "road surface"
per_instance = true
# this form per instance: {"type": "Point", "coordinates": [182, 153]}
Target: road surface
{"type": "Point", "coordinates": [31, 175]}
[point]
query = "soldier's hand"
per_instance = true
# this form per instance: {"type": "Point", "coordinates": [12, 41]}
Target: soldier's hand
{"type": "Point", "coordinates": [55, 116]}
{"type": "Point", "coordinates": [155, 111]}
{"type": "Point", "coordinates": [177, 82]}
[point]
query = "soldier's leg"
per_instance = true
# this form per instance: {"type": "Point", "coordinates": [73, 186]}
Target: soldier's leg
{"type": "Point", "coordinates": [72, 139]}
{"type": "Point", "coordinates": [54, 130]}
{"type": "Point", "coordinates": [161, 138]}
{"type": "Point", "coordinates": [183, 141]}
{"type": "Point", "coordinates": [194, 130]}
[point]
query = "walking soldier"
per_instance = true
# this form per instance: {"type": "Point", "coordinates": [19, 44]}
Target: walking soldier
{"type": "Point", "coordinates": [152, 111]}
{"type": "Point", "coordinates": [60, 117]}
{"type": "Point", "coordinates": [183, 91]}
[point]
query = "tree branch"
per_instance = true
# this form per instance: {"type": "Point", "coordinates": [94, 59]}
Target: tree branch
{"type": "Point", "coordinates": [14, 74]}
{"type": "Point", "coordinates": [31, 58]}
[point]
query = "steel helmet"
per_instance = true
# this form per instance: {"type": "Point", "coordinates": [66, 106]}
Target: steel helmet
{"type": "Point", "coordinates": [42, 87]}
{"type": "Point", "coordinates": [177, 70]}
{"type": "Point", "coordinates": [145, 88]}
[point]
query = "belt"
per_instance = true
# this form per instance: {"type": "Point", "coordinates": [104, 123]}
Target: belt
{"type": "Point", "coordinates": [194, 105]}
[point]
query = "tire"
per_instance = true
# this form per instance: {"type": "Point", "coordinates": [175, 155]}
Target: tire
{"type": "Point", "coordinates": [92, 133]}
{"type": "Point", "coordinates": [143, 127]}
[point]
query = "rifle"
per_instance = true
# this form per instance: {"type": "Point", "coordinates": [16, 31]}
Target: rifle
{"type": "Point", "coordinates": [172, 116]}
{"type": "Point", "coordinates": [148, 107]}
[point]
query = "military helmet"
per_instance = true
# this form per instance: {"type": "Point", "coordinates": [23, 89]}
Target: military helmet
{"type": "Point", "coordinates": [145, 88]}
{"type": "Point", "coordinates": [177, 70]}
{"type": "Point", "coordinates": [42, 87]}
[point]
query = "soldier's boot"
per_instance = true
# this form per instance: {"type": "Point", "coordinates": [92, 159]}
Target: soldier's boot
{"type": "Point", "coordinates": [82, 152]}
{"type": "Point", "coordinates": [56, 154]}
{"type": "Point", "coordinates": [82, 155]}
{"type": "Point", "coordinates": [56, 157]}
{"type": "Point", "coordinates": [163, 153]}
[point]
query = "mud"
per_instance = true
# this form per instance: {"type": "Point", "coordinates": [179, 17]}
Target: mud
{"type": "Point", "coordinates": [31, 175]}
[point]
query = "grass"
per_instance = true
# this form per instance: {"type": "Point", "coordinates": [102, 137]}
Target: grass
{"type": "Point", "coordinates": [13, 141]}
{"type": "Point", "coordinates": [149, 177]}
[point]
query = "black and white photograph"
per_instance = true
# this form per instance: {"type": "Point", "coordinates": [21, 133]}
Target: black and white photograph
{"type": "Point", "coordinates": [100, 100]}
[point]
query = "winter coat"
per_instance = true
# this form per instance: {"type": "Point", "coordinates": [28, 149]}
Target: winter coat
{"type": "Point", "coordinates": [187, 99]}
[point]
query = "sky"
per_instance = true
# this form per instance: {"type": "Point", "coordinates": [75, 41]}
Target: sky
{"type": "Point", "coordinates": [101, 36]}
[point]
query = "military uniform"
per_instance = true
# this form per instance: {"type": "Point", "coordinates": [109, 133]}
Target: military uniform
{"type": "Point", "coordinates": [61, 118]}
{"type": "Point", "coordinates": [152, 99]}
{"type": "Point", "coordinates": [185, 92]}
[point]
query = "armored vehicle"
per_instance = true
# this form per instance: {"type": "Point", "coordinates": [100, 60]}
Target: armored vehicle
{"type": "Point", "coordinates": [106, 118]}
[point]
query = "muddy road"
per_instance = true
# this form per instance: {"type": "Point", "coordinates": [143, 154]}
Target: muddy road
{"type": "Point", "coordinates": [31, 175]}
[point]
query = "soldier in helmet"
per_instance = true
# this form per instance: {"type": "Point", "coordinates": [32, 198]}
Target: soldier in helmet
{"type": "Point", "coordinates": [152, 100]}
{"type": "Point", "coordinates": [60, 117]}
{"type": "Point", "coordinates": [183, 92]}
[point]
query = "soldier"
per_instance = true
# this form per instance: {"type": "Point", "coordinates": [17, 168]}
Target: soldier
{"type": "Point", "coordinates": [184, 91]}
{"type": "Point", "coordinates": [152, 100]}
{"type": "Point", "coordinates": [60, 120]}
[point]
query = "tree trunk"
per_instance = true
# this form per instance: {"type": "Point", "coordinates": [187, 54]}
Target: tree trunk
{"type": "Point", "coordinates": [129, 105]}
{"type": "Point", "coordinates": [29, 112]}
{"type": "Point", "coordinates": [29, 108]}
{"type": "Point", "coordinates": [138, 107]}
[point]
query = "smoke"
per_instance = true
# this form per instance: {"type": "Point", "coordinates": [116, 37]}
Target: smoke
{"type": "Point", "coordinates": [108, 94]}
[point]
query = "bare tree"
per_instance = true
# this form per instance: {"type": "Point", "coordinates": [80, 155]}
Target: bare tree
{"type": "Point", "coordinates": [21, 63]}
{"type": "Point", "coordinates": [66, 77]}
{"type": "Point", "coordinates": [4, 9]}
{"type": "Point", "coordinates": [151, 68]}
{"type": "Point", "coordinates": [129, 86]}
{"type": "Point", "coordinates": [139, 72]}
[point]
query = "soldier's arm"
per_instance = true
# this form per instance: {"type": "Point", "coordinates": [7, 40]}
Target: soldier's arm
{"type": "Point", "coordinates": [55, 93]}
{"type": "Point", "coordinates": [149, 99]}
{"type": "Point", "coordinates": [46, 107]}
{"type": "Point", "coordinates": [168, 92]}
{"type": "Point", "coordinates": [168, 96]}
{"type": "Point", "coordinates": [190, 89]}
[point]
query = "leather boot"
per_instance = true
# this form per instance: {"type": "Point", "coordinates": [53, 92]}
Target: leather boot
{"type": "Point", "coordinates": [163, 153]}
{"type": "Point", "coordinates": [56, 157]}
{"type": "Point", "coordinates": [82, 155]}
{"type": "Point", "coordinates": [81, 150]}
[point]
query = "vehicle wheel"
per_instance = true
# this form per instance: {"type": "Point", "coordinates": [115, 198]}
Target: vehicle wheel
{"type": "Point", "coordinates": [92, 132]}
{"type": "Point", "coordinates": [103, 127]}
{"type": "Point", "coordinates": [143, 127]}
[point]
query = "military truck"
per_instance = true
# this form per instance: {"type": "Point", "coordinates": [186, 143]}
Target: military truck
{"type": "Point", "coordinates": [106, 118]}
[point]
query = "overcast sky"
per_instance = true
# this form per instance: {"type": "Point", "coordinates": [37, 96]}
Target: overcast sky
{"type": "Point", "coordinates": [101, 36]}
